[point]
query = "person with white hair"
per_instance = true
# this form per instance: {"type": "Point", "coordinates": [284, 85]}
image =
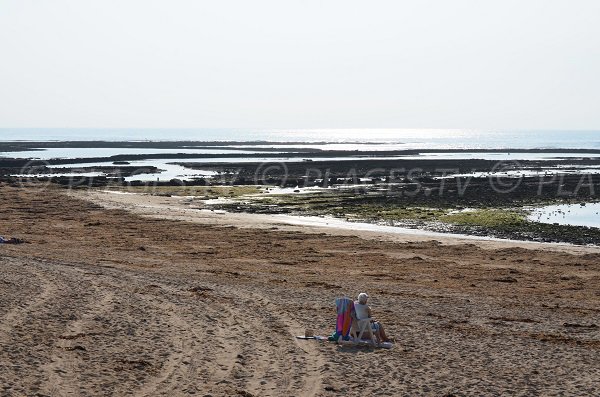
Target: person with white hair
{"type": "Point", "coordinates": [363, 311]}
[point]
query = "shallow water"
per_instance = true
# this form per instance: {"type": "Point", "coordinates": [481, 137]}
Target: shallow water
{"type": "Point", "coordinates": [521, 173]}
{"type": "Point", "coordinates": [167, 171]}
{"type": "Point", "coordinates": [500, 156]}
{"type": "Point", "coordinates": [69, 153]}
{"type": "Point", "coordinates": [66, 153]}
{"type": "Point", "coordinates": [568, 214]}
{"type": "Point", "coordinates": [73, 175]}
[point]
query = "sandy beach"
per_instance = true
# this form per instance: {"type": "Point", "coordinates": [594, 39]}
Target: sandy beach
{"type": "Point", "coordinates": [116, 294]}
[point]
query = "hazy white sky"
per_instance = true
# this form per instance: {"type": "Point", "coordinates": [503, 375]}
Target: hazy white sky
{"type": "Point", "coordinates": [300, 64]}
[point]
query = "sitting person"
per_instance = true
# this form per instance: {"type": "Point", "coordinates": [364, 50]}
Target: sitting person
{"type": "Point", "coordinates": [363, 311]}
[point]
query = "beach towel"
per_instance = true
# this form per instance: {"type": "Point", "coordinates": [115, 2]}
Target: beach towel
{"type": "Point", "coordinates": [345, 314]}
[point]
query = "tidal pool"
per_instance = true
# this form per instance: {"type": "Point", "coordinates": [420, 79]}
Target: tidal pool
{"type": "Point", "coordinates": [583, 214]}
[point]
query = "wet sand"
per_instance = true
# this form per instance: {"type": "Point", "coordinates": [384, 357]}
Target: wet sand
{"type": "Point", "coordinates": [150, 296]}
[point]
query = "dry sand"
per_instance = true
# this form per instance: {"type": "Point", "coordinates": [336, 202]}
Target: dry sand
{"type": "Point", "coordinates": [168, 300]}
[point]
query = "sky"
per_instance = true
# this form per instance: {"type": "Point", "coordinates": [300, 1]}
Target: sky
{"type": "Point", "coordinates": [486, 64]}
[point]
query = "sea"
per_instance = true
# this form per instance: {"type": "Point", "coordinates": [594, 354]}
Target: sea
{"type": "Point", "coordinates": [396, 138]}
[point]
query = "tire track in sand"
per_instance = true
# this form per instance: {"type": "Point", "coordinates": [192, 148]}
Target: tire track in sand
{"type": "Point", "coordinates": [213, 345]}
{"type": "Point", "coordinates": [63, 369]}
{"type": "Point", "coordinates": [300, 364]}
{"type": "Point", "coordinates": [47, 289]}
{"type": "Point", "coordinates": [190, 362]}
{"type": "Point", "coordinates": [216, 347]}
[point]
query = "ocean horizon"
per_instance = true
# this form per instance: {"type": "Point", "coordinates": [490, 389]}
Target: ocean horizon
{"type": "Point", "coordinates": [407, 138]}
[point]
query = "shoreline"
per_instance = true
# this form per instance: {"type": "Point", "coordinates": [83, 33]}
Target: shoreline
{"type": "Point", "coordinates": [176, 207]}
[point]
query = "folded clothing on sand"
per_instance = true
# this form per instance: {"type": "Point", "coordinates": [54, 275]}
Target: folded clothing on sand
{"type": "Point", "coordinates": [12, 240]}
